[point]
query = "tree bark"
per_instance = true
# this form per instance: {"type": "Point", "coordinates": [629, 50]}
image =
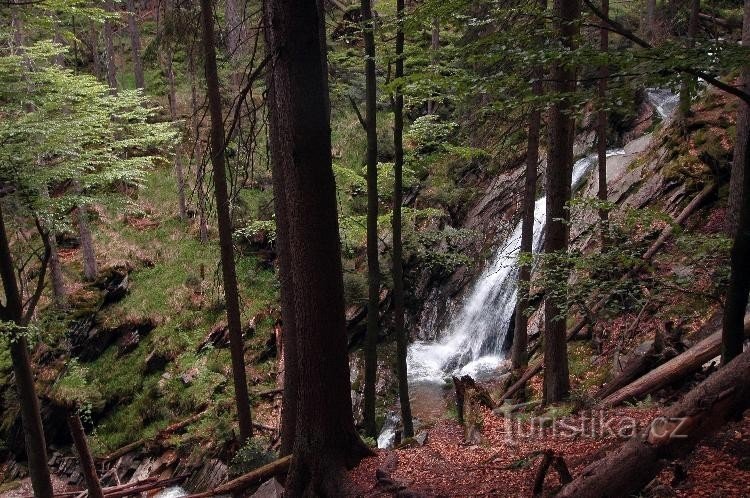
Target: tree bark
{"type": "Point", "coordinates": [279, 161]}
{"type": "Point", "coordinates": [88, 253]}
{"type": "Point", "coordinates": [135, 45]}
{"type": "Point", "coordinates": [197, 151]}
{"type": "Point", "coordinates": [739, 281]}
{"type": "Point", "coordinates": [228, 270]}
{"type": "Point", "coordinates": [109, 49]}
{"type": "Point", "coordinates": [12, 311]}
{"type": "Point", "coordinates": [559, 177]}
{"type": "Point", "coordinates": [402, 337]}
{"type": "Point", "coordinates": [519, 349]}
{"type": "Point", "coordinates": [373, 265]}
{"type": "Point", "coordinates": [84, 456]}
{"type": "Point", "coordinates": [734, 204]}
{"type": "Point", "coordinates": [326, 441]}
{"type": "Point", "coordinates": [601, 130]}
{"type": "Point", "coordinates": [703, 410]}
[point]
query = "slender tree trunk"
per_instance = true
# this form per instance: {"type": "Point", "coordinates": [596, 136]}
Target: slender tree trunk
{"type": "Point", "coordinates": [88, 253]}
{"type": "Point", "coordinates": [198, 153]}
{"type": "Point", "coordinates": [688, 82]}
{"type": "Point", "coordinates": [519, 349]}
{"type": "Point", "coordinates": [135, 45]}
{"type": "Point", "coordinates": [16, 24]}
{"type": "Point", "coordinates": [739, 281]}
{"type": "Point", "coordinates": [109, 49]}
{"type": "Point", "coordinates": [434, 47]}
{"type": "Point", "coordinates": [88, 469]}
{"type": "Point", "coordinates": [402, 338]}
{"type": "Point", "coordinates": [650, 19]}
{"type": "Point", "coordinates": [373, 266]}
{"type": "Point", "coordinates": [235, 12]}
{"type": "Point", "coordinates": [736, 180]}
{"type": "Point", "coordinates": [559, 177]}
{"type": "Point", "coordinates": [229, 274]}
{"type": "Point", "coordinates": [179, 172]}
{"type": "Point", "coordinates": [326, 441]}
{"type": "Point", "coordinates": [56, 275]}
{"type": "Point", "coordinates": [601, 130]}
{"type": "Point", "coordinates": [12, 311]}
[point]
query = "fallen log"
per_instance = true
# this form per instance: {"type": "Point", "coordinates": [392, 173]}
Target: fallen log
{"type": "Point", "coordinates": [706, 408]}
{"type": "Point", "coordinates": [555, 461]}
{"type": "Point", "coordinates": [664, 347]}
{"type": "Point", "coordinates": [671, 371]}
{"type": "Point", "coordinates": [246, 480]}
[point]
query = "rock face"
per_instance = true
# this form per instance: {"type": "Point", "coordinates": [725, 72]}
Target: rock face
{"type": "Point", "coordinates": [203, 475]}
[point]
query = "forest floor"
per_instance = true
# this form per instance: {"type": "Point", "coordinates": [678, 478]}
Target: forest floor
{"type": "Point", "coordinates": [505, 463]}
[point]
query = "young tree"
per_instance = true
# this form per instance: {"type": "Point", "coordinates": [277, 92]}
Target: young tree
{"type": "Point", "coordinates": [326, 442]}
{"type": "Point", "coordinates": [109, 48]}
{"type": "Point", "coordinates": [88, 253]}
{"type": "Point", "coordinates": [519, 354]}
{"type": "Point", "coordinates": [402, 338]}
{"type": "Point", "coordinates": [58, 128]}
{"type": "Point", "coordinates": [559, 177]}
{"type": "Point", "coordinates": [601, 129]}
{"type": "Point", "coordinates": [224, 220]}
{"type": "Point", "coordinates": [135, 44]}
{"type": "Point", "coordinates": [373, 266]}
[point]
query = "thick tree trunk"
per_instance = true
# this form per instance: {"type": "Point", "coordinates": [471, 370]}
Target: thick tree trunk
{"type": "Point", "coordinates": [12, 311]}
{"type": "Point", "coordinates": [289, 337]}
{"type": "Point", "coordinates": [84, 456]}
{"type": "Point", "coordinates": [135, 45]}
{"type": "Point", "coordinates": [373, 266]}
{"type": "Point", "coordinates": [179, 172]}
{"type": "Point", "coordinates": [741, 140]}
{"type": "Point", "coordinates": [402, 337]}
{"type": "Point", "coordinates": [109, 49]}
{"type": "Point", "coordinates": [326, 441]}
{"type": "Point", "coordinates": [705, 409]}
{"type": "Point", "coordinates": [739, 282]}
{"type": "Point", "coordinates": [228, 270]}
{"type": "Point", "coordinates": [559, 177]}
{"type": "Point", "coordinates": [601, 130]}
{"type": "Point", "coordinates": [675, 369]}
{"type": "Point", "coordinates": [688, 82]}
{"type": "Point", "coordinates": [519, 349]}
{"type": "Point", "coordinates": [88, 254]}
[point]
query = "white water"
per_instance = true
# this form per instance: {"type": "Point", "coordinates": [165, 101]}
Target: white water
{"type": "Point", "coordinates": [173, 492]}
{"type": "Point", "coordinates": [664, 101]}
{"type": "Point", "coordinates": [472, 341]}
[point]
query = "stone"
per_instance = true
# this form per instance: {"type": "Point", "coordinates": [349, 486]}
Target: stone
{"type": "Point", "coordinates": [269, 489]}
{"type": "Point", "coordinates": [421, 438]}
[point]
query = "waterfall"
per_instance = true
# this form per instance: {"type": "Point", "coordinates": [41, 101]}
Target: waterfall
{"type": "Point", "coordinates": [664, 101]}
{"type": "Point", "coordinates": [472, 341]}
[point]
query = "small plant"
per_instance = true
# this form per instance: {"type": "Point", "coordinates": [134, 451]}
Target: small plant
{"type": "Point", "coordinates": [251, 456]}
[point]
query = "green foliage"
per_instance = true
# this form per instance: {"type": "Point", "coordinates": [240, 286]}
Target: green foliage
{"type": "Point", "coordinates": [252, 455]}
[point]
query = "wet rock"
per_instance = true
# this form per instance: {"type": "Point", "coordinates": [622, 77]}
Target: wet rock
{"type": "Point", "coordinates": [189, 376]}
{"type": "Point", "coordinates": [421, 438]}
{"type": "Point", "coordinates": [203, 475]}
{"type": "Point", "coordinates": [269, 489]}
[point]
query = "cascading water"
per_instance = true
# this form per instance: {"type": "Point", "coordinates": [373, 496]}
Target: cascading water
{"type": "Point", "coordinates": [472, 341]}
{"type": "Point", "coordinates": [664, 101]}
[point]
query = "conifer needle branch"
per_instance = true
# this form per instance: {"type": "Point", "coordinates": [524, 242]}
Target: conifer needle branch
{"type": "Point", "coordinates": [622, 31]}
